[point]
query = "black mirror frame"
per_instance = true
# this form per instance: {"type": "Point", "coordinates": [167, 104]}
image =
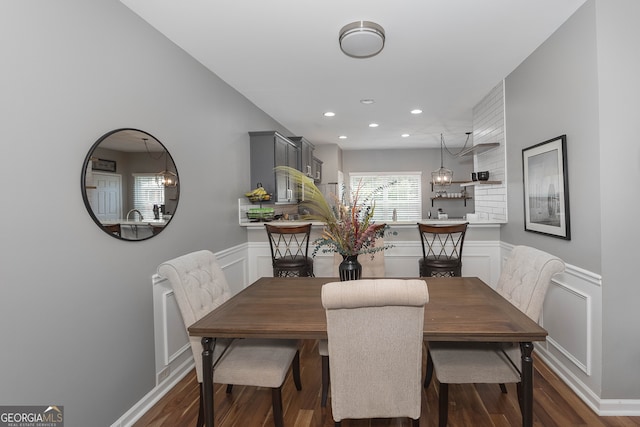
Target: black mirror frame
{"type": "Point", "coordinates": [83, 186]}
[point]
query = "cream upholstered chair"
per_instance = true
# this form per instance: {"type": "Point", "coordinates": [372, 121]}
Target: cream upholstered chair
{"type": "Point", "coordinates": [524, 281]}
{"type": "Point", "coordinates": [375, 334]}
{"type": "Point", "coordinates": [372, 267]}
{"type": "Point", "coordinates": [199, 286]}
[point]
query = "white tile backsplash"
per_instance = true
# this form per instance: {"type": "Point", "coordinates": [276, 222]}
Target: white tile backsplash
{"type": "Point", "coordinates": [488, 126]}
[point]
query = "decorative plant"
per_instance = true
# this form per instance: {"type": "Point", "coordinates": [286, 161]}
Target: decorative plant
{"type": "Point", "coordinates": [349, 228]}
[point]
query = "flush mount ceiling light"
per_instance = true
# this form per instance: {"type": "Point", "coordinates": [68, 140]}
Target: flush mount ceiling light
{"type": "Point", "coordinates": [361, 39]}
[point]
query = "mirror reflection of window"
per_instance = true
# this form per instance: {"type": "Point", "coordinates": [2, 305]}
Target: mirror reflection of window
{"type": "Point", "coordinates": [147, 194]}
{"type": "Point", "coordinates": [125, 184]}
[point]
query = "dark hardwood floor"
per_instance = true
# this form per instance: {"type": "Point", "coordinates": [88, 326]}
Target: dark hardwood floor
{"type": "Point", "coordinates": [481, 405]}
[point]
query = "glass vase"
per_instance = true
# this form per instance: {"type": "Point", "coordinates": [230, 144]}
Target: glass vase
{"type": "Point", "coordinates": [350, 268]}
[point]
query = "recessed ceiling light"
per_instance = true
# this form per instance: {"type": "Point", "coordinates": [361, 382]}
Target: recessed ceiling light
{"type": "Point", "coordinates": [367, 101]}
{"type": "Point", "coordinates": [342, 137]}
{"type": "Point", "coordinates": [405, 135]}
{"type": "Point", "coordinates": [329, 114]}
{"type": "Point", "coordinates": [373, 125]}
{"type": "Point", "coordinates": [416, 111]}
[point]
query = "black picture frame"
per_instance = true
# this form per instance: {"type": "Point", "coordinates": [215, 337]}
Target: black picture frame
{"type": "Point", "coordinates": [546, 188]}
{"type": "Point", "coordinates": [103, 165]}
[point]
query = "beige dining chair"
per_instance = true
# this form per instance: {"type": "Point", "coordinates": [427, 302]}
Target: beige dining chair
{"type": "Point", "coordinates": [199, 286]}
{"type": "Point", "coordinates": [375, 330]}
{"type": "Point", "coordinates": [524, 281]}
{"type": "Point", "coordinates": [372, 267]}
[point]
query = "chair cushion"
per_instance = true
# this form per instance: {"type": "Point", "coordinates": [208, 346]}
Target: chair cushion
{"type": "Point", "coordinates": [467, 362]}
{"type": "Point", "coordinates": [323, 347]}
{"type": "Point", "coordinates": [441, 262]}
{"type": "Point", "coordinates": [256, 362]}
{"type": "Point", "coordinates": [295, 262]}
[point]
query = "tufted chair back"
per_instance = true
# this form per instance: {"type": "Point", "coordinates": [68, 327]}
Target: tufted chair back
{"type": "Point", "coordinates": [375, 332]}
{"type": "Point", "coordinates": [199, 285]}
{"type": "Point", "coordinates": [525, 277]}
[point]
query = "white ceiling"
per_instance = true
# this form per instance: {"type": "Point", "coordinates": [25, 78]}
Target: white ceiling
{"type": "Point", "coordinates": [442, 56]}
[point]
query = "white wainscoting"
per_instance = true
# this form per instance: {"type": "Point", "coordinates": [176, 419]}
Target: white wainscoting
{"type": "Point", "coordinates": [572, 315]}
{"type": "Point", "coordinates": [173, 358]}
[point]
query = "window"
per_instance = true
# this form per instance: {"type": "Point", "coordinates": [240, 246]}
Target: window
{"type": "Point", "coordinates": [146, 193]}
{"type": "Point", "coordinates": [405, 195]}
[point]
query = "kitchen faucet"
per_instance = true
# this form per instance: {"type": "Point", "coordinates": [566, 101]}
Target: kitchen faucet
{"type": "Point", "coordinates": [134, 210]}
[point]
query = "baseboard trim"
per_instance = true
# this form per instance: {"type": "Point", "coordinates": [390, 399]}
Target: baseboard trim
{"type": "Point", "coordinates": [602, 407]}
{"type": "Point", "coordinates": [151, 398]}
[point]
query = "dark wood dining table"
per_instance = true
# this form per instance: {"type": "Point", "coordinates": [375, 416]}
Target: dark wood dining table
{"type": "Point", "coordinates": [459, 309]}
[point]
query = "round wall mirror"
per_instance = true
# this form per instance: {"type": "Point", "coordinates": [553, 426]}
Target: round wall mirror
{"type": "Point", "coordinates": [130, 184]}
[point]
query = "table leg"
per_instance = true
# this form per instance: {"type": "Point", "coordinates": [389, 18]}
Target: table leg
{"type": "Point", "coordinates": [527, 384]}
{"type": "Point", "coordinates": [207, 379]}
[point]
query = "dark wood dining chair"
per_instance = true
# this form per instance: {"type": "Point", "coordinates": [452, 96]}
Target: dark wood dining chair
{"type": "Point", "coordinates": [290, 250]}
{"type": "Point", "coordinates": [441, 249]}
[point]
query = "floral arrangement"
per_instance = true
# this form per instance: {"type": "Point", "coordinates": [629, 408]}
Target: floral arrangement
{"type": "Point", "coordinates": [349, 228]}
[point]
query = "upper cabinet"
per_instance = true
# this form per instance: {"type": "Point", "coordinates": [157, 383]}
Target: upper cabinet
{"type": "Point", "coordinates": [269, 149]}
{"type": "Point", "coordinates": [305, 155]}
{"type": "Point", "coordinates": [317, 170]}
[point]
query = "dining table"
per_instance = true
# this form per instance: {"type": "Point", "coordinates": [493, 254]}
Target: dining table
{"type": "Point", "coordinates": [459, 309]}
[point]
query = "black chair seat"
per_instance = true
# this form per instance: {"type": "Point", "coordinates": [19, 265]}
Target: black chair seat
{"type": "Point", "coordinates": [296, 262]}
{"type": "Point", "coordinates": [440, 262]}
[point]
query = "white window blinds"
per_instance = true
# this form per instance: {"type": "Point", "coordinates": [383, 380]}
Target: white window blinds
{"type": "Point", "coordinates": [146, 193]}
{"type": "Point", "coordinates": [405, 195]}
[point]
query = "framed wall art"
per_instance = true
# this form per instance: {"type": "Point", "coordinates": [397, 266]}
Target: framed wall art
{"type": "Point", "coordinates": [103, 165]}
{"type": "Point", "coordinates": [546, 188]}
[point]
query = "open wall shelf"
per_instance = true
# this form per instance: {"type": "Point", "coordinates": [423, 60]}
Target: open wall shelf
{"type": "Point", "coordinates": [472, 183]}
{"type": "Point", "coordinates": [478, 148]}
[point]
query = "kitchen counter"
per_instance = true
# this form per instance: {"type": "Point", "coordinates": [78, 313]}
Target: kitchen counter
{"type": "Point", "coordinates": [399, 231]}
{"type": "Point", "coordinates": [390, 223]}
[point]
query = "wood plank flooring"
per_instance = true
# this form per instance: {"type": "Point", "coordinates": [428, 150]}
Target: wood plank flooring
{"type": "Point", "coordinates": [480, 405]}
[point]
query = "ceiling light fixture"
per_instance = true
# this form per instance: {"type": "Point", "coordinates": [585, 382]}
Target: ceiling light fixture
{"type": "Point", "coordinates": [361, 39]}
{"type": "Point", "coordinates": [342, 137]}
{"type": "Point", "coordinates": [416, 111]}
{"type": "Point", "coordinates": [166, 178]}
{"type": "Point", "coordinates": [367, 101]}
{"type": "Point", "coordinates": [373, 125]}
{"type": "Point", "coordinates": [442, 176]}
{"type": "Point", "coordinates": [405, 135]}
{"type": "Point", "coordinates": [329, 114]}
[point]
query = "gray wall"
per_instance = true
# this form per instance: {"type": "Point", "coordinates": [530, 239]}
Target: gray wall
{"type": "Point", "coordinates": [76, 318]}
{"type": "Point", "coordinates": [619, 154]}
{"type": "Point", "coordinates": [414, 160]}
{"type": "Point", "coordinates": [583, 81]}
{"type": "Point", "coordinates": [554, 92]}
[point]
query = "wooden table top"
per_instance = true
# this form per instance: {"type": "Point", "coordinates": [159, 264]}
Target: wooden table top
{"type": "Point", "coordinates": [459, 309]}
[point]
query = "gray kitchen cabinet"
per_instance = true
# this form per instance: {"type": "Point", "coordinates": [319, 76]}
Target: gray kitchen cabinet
{"type": "Point", "coordinates": [269, 149]}
{"type": "Point", "coordinates": [316, 169]}
{"type": "Point", "coordinates": [305, 155]}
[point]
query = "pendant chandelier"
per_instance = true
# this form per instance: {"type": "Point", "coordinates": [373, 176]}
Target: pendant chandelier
{"type": "Point", "coordinates": [442, 176]}
{"type": "Point", "coordinates": [166, 178]}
